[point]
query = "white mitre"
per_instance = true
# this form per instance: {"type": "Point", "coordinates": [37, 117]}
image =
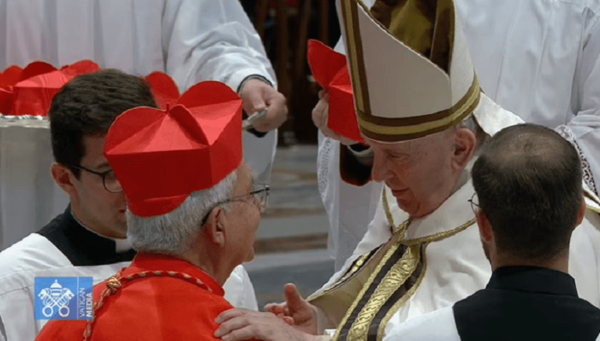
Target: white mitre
{"type": "Point", "coordinates": [412, 76]}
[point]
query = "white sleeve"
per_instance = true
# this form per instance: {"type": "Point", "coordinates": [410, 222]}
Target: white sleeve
{"type": "Point", "coordinates": [438, 325]}
{"type": "Point", "coordinates": [239, 291]}
{"type": "Point", "coordinates": [585, 102]}
{"type": "Point", "coordinates": [211, 40]}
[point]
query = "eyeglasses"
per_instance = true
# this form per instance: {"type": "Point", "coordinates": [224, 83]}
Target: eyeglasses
{"type": "Point", "coordinates": [473, 202]}
{"type": "Point", "coordinates": [260, 194]}
{"type": "Point", "coordinates": [109, 180]}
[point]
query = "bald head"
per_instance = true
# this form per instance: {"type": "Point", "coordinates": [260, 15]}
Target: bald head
{"type": "Point", "coordinates": [528, 182]}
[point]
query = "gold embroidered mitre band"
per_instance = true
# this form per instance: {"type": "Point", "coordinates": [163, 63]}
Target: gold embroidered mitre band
{"type": "Point", "coordinates": [410, 68]}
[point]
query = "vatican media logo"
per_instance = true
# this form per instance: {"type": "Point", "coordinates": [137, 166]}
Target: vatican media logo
{"type": "Point", "coordinates": [63, 298]}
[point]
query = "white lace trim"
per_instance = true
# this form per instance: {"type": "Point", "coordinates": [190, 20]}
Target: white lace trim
{"type": "Point", "coordinates": [588, 177]}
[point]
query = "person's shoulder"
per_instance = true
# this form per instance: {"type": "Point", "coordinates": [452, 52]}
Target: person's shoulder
{"type": "Point", "coordinates": [23, 261]}
{"type": "Point", "coordinates": [175, 292]}
{"type": "Point", "coordinates": [31, 253]}
{"type": "Point", "coordinates": [170, 302]}
{"type": "Point", "coordinates": [586, 310]}
{"type": "Point", "coordinates": [438, 325]}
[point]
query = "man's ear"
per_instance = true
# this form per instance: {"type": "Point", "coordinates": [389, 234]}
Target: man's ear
{"type": "Point", "coordinates": [580, 213]}
{"type": "Point", "coordinates": [215, 226]}
{"type": "Point", "coordinates": [64, 179]}
{"type": "Point", "coordinates": [465, 142]}
{"type": "Point", "coordinates": [485, 228]}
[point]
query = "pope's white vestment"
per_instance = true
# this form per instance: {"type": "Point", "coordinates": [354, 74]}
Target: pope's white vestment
{"type": "Point", "coordinates": [404, 268]}
{"type": "Point", "coordinates": [537, 59]}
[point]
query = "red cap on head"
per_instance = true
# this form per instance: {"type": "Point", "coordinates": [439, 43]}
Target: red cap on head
{"type": "Point", "coordinates": [161, 156]}
{"type": "Point", "coordinates": [163, 88]}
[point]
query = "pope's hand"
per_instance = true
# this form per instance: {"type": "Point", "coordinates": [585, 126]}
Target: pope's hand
{"type": "Point", "coordinates": [239, 324]}
{"type": "Point", "coordinates": [320, 115]}
{"type": "Point", "coordinates": [302, 313]}
{"type": "Point", "coordinates": [257, 96]}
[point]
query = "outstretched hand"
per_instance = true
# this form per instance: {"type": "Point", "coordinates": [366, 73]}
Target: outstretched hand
{"type": "Point", "coordinates": [303, 314]}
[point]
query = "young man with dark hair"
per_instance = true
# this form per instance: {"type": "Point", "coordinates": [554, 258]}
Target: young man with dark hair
{"type": "Point", "coordinates": [529, 199]}
{"type": "Point", "coordinates": [79, 120]}
{"type": "Point", "coordinates": [528, 185]}
{"type": "Point", "coordinates": [88, 239]}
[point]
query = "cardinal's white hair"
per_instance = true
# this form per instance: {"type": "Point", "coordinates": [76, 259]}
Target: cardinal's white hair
{"type": "Point", "coordinates": [172, 233]}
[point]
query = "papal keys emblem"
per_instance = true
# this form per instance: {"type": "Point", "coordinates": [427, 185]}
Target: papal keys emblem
{"type": "Point", "coordinates": [55, 297]}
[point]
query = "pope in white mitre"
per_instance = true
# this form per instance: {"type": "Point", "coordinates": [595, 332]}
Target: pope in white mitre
{"type": "Point", "coordinates": [420, 109]}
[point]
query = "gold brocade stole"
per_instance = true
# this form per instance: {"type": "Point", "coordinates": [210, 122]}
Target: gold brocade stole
{"type": "Point", "coordinates": [393, 282]}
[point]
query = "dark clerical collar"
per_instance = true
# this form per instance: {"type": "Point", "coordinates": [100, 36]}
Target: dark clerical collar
{"type": "Point", "coordinates": [533, 279]}
{"type": "Point", "coordinates": [81, 246]}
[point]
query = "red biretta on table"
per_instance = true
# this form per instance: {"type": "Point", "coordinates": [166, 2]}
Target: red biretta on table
{"type": "Point", "coordinates": [29, 91]}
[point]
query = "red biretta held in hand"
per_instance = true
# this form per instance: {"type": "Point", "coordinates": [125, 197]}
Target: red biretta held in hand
{"type": "Point", "coordinates": [331, 73]}
{"type": "Point", "coordinates": [161, 156]}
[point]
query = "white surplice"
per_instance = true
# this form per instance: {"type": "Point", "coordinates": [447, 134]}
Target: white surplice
{"type": "Point", "coordinates": [191, 40]}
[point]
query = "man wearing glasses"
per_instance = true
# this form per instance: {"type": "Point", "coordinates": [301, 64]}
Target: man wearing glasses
{"type": "Point", "coordinates": [528, 201]}
{"type": "Point", "coordinates": [88, 239]}
{"type": "Point", "coordinates": [191, 217]}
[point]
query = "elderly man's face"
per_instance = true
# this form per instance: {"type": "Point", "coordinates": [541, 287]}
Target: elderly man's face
{"type": "Point", "coordinates": [421, 173]}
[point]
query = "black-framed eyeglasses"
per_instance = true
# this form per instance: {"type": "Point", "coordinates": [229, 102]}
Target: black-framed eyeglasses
{"type": "Point", "coordinates": [260, 194]}
{"type": "Point", "coordinates": [473, 202]}
{"type": "Point", "coordinates": [109, 180]}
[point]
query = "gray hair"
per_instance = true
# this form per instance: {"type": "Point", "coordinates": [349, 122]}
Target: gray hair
{"type": "Point", "coordinates": [470, 122]}
{"type": "Point", "coordinates": [172, 233]}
